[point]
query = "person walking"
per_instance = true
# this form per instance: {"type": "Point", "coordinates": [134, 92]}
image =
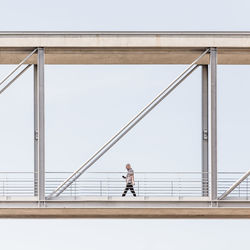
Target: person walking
{"type": "Point", "coordinates": [130, 181]}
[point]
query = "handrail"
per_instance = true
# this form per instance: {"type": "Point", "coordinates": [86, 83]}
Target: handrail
{"type": "Point", "coordinates": [115, 172]}
{"type": "Point", "coordinates": [138, 172]}
{"type": "Point", "coordinates": [175, 184]}
{"type": "Point", "coordinates": [127, 127]}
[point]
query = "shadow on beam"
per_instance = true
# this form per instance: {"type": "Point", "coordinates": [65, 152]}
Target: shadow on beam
{"type": "Point", "coordinates": [126, 213]}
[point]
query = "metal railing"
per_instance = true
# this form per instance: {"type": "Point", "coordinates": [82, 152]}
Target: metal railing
{"type": "Point", "coordinates": [16, 184]}
{"type": "Point", "coordinates": [164, 184]}
{"type": "Point", "coordinates": [146, 184]}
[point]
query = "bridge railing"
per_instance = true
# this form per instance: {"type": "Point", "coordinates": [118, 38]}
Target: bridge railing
{"type": "Point", "coordinates": [16, 184]}
{"type": "Point", "coordinates": [165, 184]}
{"type": "Point", "coordinates": [146, 184]}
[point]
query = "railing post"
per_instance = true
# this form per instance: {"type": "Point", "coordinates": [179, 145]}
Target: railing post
{"type": "Point", "coordinates": [75, 187]}
{"type": "Point", "coordinates": [247, 189]}
{"type": "Point", "coordinates": [204, 138]}
{"type": "Point", "coordinates": [213, 122]}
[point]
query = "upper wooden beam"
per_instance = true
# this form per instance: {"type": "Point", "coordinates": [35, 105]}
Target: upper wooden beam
{"type": "Point", "coordinates": [125, 47]}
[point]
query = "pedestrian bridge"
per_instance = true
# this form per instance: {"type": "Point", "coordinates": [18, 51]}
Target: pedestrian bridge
{"type": "Point", "coordinates": [98, 195]}
{"type": "Point", "coordinates": [81, 194]}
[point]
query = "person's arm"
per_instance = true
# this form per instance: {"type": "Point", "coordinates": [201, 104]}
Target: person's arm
{"type": "Point", "coordinates": [133, 180]}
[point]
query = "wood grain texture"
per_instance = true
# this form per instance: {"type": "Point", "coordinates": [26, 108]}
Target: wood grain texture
{"type": "Point", "coordinates": [138, 213]}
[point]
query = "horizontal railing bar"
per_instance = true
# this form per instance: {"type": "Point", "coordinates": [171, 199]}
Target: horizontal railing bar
{"type": "Point", "coordinates": [120, 172]}
{"type": "Point", "coordinates": [169, 184]}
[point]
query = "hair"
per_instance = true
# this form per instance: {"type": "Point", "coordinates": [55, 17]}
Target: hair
{"type": "Point", "coordinates": [128, 164]}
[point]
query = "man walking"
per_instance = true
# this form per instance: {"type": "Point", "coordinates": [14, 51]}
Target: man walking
{"type": "Point", "coordinates": [130, 181]}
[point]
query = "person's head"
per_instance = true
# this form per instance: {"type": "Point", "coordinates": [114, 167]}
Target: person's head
{"type": "Point", "coordinates": [128, 166]}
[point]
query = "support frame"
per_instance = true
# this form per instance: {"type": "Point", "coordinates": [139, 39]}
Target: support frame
{"type": "Point", "coordinates": [204, 139]}
{"type": "Point", "coordinates": [213, 122]}
{"type": "Point", "coordinates": [39, 127]}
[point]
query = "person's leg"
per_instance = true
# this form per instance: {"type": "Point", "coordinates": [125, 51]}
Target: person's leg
{"type": "Point", "coordinates": [125, 190]}
{"type": "Point", "coordinates": [132, 189]}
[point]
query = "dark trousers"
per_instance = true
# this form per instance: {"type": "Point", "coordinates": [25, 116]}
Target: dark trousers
{"type": "Point", "coordinates": [130, 187]}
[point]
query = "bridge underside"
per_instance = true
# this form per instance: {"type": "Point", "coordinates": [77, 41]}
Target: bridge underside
{"type": "Point", "coordinates": [136, 213]}
{"type": "Point", "coordinates": [124, 55]}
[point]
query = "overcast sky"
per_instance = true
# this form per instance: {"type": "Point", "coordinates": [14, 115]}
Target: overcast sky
{"type": "Point", "coordinates": [85, 105]}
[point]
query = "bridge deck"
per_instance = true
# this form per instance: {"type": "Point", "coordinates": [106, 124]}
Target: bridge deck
{"type": "Point", "coordinates": [189, 213]}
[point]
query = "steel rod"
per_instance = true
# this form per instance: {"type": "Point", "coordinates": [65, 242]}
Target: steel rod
{"type": "Point", "coordinates": [36, 129]}
{"type": "Point", "coordinates": [204, 132]}
{"type": "Point", "coordinates": [91, 162]}
{"type": "Point", "coordinates": [213, 122]}
{"type": "Point", "coordinates": [18, 66]}
{"type": "Point", "coordinates": [14, 79]}
{"type": "Point", "coordinates": [236, 184]}
{"type": "Point", "coordinates": [41, 124]}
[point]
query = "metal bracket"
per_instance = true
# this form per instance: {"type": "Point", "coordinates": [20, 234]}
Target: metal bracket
{"type": "Point", "coordinates": [205, 134]}
{"type": "Point", "coordinates": [36, 135]}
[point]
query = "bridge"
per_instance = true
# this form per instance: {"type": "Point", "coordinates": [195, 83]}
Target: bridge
{"type": "Point", "coordinates": [86, 194]}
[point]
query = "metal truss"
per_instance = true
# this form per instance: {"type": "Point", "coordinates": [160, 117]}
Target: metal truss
{"type": "Point", "coordinates": [39, 146]}
{"type": "Point", "coordinates": [160, 97]}
{"type": "Point", "coordinates": [208, 142]}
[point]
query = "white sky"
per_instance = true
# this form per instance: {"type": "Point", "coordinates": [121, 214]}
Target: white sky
{"type": "Point", "coordinates": [85, 105]}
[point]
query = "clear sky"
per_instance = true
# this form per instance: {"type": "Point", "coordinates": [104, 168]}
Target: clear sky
{"type": "Point", "coordinates": [85, 105]}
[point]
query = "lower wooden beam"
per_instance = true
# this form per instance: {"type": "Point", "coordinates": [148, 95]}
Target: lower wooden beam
{"type": "Point", "coordinates": [137, 213]}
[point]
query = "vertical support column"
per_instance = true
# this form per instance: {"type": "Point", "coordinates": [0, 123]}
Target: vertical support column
{"type": "Point", "coordinates": [36, 122]}
{"type": "Point", "coordinates": [41, 132]}
{"type": "Point", "coordinates": [204, 101]}
{"type": "Point", "coordinates": [213, 122]}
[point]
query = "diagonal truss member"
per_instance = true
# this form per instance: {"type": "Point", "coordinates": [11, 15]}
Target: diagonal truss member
{"type": "Point", "coordinates": [235, 185]}
{"type": "Point", "coordinates": [14, 70]}
{"type": "Point", "coordinates": [15, 78]}
{"type": "Point", "coordinates": [73, 177]}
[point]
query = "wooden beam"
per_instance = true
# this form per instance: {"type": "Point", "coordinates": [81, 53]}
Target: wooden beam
{"type": "Point", "coordinates": [136, 213]}
{"type": "Point", "coordinates": [124, 55]}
